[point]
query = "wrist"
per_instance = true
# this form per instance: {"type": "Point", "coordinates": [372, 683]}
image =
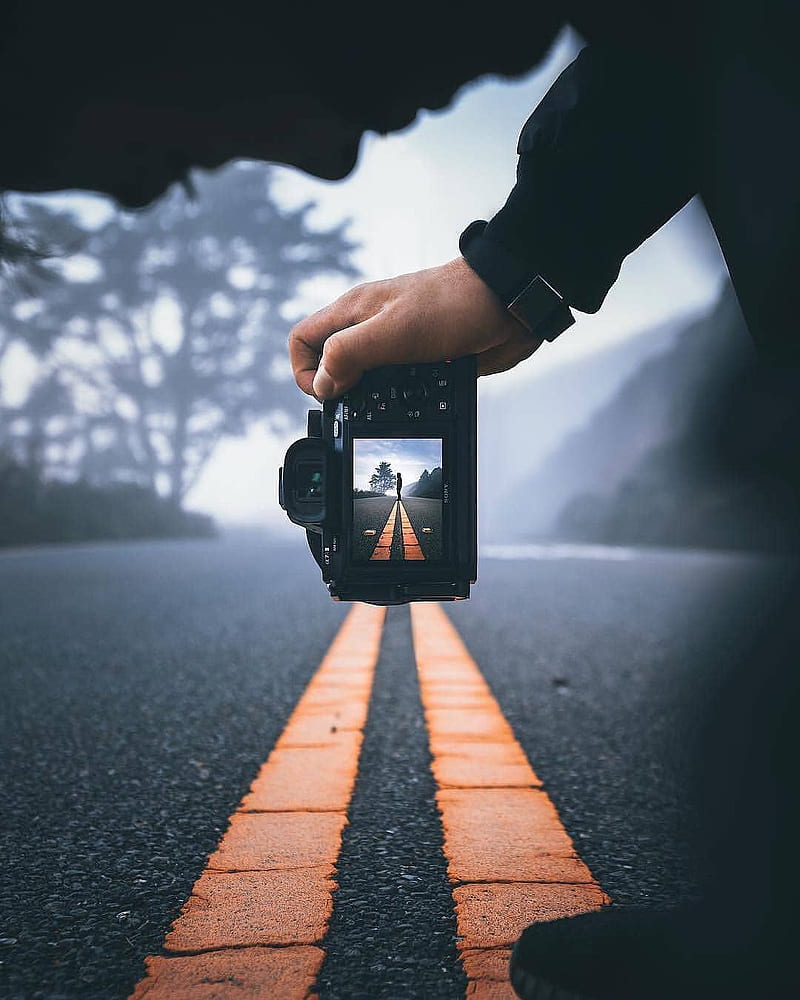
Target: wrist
{"type": "Point", "coordinates": [527, 295]}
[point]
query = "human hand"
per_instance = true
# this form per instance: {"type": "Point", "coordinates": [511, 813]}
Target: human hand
{"type": "Point", "coordinates": [441, 312]}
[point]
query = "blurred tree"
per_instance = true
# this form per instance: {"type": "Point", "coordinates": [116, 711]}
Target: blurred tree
{"type": "Point", "coordinates": [382, 479]}
{"type": "Point", "coordinates": [29, 271]}
{"type": "Point", "coordinates": [26, 270]}
{"type": "Point", "coordinates": [168, 329]}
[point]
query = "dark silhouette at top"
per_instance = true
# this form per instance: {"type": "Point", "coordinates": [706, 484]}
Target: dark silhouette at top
{"type": "Point", "coordinates": [399, 484]}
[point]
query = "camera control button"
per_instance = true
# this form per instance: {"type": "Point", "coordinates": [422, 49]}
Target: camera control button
{"type": "Point", "coordinates": [357, 399]}
{"type": "Point", "coordinates": [337, 428]}
{"type": "Point", "coordinates": [443, 406]}
{"type": "Point", "coordinates": [415, 392]}
{"type": "Point", "coordinates": [314, 424]}
{"type": "Point", "coordinates": [414, 414]}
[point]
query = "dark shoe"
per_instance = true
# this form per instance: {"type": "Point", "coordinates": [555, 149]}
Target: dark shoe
{"type": "Point", "coordinates": [630, 954]}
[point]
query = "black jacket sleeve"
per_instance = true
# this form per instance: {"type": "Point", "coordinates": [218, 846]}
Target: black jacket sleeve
{"type": "Point", "coordinates": [606, 158]}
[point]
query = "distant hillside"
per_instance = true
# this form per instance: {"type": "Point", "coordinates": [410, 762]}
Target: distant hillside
{"type": "Point", "coordinates": [697, 448]}
{"type": "Point", "coordinates": [521, 423]}
{"type": "Point", "coordinates": [428, 485]}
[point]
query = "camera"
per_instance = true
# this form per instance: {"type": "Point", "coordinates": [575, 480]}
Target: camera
{"type": "Point", "coordinates": [385, 485]}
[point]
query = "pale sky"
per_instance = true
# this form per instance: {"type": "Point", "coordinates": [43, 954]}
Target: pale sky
{"type": "Point", "coordinates": [408, 199]}
{"type": "Point", "coordinates": [408, 456]}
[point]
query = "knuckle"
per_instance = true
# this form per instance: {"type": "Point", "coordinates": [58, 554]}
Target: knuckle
{"type": "Point", "coordinates": [362, 290]}
{"type": "Point", "coordinates": [295, 337]}
{"type": "Point", "coordinates": [354, 305]}
{"type": "Point", "coordinates": [334, 353]}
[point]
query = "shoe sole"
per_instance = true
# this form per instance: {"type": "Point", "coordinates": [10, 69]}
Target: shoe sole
{"type": "Point", "coordinates": [530, 987]}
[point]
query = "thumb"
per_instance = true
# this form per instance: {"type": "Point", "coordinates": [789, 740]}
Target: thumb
{"type": "Point", "coordinates": [347, 354]}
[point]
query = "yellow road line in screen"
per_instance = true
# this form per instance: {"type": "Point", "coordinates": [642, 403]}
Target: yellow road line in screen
{"type": "Point", "coordinates": [411, 549]}
{"type": "Point", "coordinates": [510, 860]}
{"type": "Point", "coordinates": [383, 548]}
{"type": "Point", "coordinates": [257, 915]}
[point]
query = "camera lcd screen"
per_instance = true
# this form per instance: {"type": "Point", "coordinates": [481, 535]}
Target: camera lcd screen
{"type": "Point", "coordinates": [397, 500]}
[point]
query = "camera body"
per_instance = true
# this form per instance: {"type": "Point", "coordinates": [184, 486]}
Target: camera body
{"type": "Point", "coordinates": [385, 485]}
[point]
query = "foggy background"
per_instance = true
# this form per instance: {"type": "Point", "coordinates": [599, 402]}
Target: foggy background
{"type": "Point", "coordinates": [145, 389]}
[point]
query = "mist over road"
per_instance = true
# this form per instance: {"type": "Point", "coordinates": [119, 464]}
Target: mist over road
{"type": "Point", "coordinates": [145, 684]}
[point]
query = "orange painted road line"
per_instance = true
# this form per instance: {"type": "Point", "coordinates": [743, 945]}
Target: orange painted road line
{"type": "Point", "coordinates": [509, 858]}
{"type": "Point", "coordinates": [383, 549]}
{"type": "Point", "coordinates": [253, 924]}
{"type": "Point", "coordinates": [411, 549]}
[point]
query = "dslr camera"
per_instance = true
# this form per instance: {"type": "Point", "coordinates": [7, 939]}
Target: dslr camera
{"type": "Point", "coordinates": [385, 485]}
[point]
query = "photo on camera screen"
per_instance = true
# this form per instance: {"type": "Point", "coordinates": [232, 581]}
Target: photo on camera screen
{"type": "Point", "coordinates": [397, 499]}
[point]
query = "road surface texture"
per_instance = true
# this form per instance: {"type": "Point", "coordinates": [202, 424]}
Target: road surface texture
{"type": "Point", "coordinates": [144, 685]}
{"type": "Point", "coordinates": [369, 514]}
{"type": "Point", "coordinates": [425, 516]}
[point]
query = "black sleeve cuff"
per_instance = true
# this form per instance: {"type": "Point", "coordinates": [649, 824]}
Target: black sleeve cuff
{"type": "Point", "coordinates": [502, 270]}
{"type": "Point", "coordinates": [527, 295]}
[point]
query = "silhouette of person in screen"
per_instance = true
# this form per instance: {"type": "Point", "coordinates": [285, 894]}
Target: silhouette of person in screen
{"type": "Point", "coordinates": [399, 484]}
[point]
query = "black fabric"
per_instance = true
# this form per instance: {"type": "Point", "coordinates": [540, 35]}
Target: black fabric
{"type": "Point", "coordinates": [627, 135]}
{"type": "Point", "coordinates": [607, 157]}
{"type": "Point", "coordinates": [505, 272]}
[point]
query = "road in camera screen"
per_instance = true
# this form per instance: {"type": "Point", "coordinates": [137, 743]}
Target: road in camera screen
{"type": "Point", "coordinates": [397, 499]}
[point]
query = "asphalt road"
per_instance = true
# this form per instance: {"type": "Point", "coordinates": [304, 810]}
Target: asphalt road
{"type": "Point", "coordinates": [143, 685]}
{"type": "Point", "coordinates": [426, 513]}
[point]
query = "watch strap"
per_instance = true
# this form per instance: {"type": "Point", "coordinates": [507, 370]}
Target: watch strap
{"type": "Point", "coordinates": [531, 299]}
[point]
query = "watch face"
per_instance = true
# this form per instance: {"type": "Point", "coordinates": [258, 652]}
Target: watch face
{"type": "Point", "coordinates": [541, 310]}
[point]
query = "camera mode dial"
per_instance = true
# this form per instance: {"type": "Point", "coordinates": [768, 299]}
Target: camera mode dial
{"type": "Point", "coordinates": [415, 392]}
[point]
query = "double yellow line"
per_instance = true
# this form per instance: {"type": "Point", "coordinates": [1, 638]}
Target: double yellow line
{"type": "Point", "coordinates": [255, 923]}
{"type": "Point", "coordinates": [411, 547]}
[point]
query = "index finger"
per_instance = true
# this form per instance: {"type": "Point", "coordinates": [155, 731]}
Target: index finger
{"type": "Point", "coordinates": [308, 337]}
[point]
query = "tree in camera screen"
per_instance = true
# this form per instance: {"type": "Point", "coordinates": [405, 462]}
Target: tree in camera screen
{"type": "Point", "coordinates": [397, 499]}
